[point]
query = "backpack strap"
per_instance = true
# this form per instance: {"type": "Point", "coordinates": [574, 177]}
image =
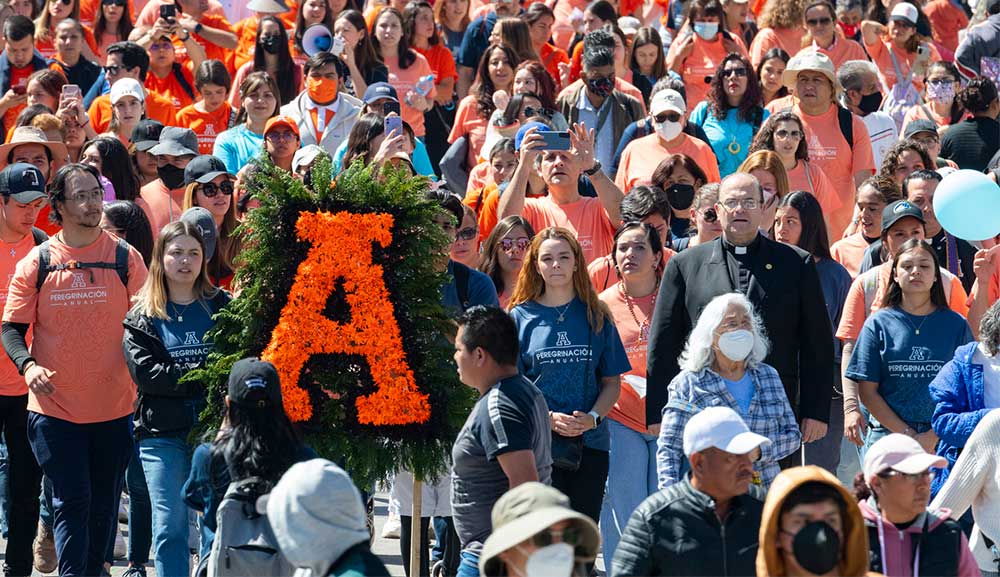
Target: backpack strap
{"type": "Point", "coordinates": [846, 121]}
{"type": "Point", "coordinates": [45, 265]}
{"type": "Point", "coordinates": [121, 261]}
{"type": "Point", "coordinates": [461, 273]}
{"type": "Point", "coordinates": [185, 85]}
{"type": "Point", "coordinates": [869, 283]}
{"type": "Point", "coordinates": [38, 235]}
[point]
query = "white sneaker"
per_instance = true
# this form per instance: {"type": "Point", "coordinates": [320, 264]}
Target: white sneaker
{"type": "Point", "coordinates": [391, 528]}
{"type": "Point", "coordinates": [121, 549]}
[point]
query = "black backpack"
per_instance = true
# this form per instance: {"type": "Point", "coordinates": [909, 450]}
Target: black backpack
{"type": "Point", "coordinates": [45, 265]}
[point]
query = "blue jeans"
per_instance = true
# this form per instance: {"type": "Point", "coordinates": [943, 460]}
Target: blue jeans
{"type": "Point", "coordinates": [45, 511]}
{"type": "Point", "coordinates": [166, 461]}
{"type": "Point", "coordinates": [140, 516]}
{"type": "Point", "coordinates": [876, 431]}
{"type": "Point", "coordinates": [631, 478]}
{"type": "Point", "coordinates": [86, 463]}
{"type": "Point", "coordinates": [469, 567]}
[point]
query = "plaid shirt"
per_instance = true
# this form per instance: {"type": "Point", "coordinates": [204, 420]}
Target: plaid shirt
{"type": "Point", "coordinates": [769, 415]}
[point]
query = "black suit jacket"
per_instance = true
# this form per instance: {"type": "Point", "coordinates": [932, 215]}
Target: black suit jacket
{"type": "Point", "coordinates": [785, 289]}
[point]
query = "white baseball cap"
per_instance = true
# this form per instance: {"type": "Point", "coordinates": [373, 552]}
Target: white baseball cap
{"type": "Point", "coordinates": [723, 429]}
{"type": "Point", "coordinates": [668, 99]}
{"type": "Point", "coordinates": [906, 12]}
{"type": "Point", "coordinates": [127, 87]}
{"type": "Point", "coordinates": [899, 453]}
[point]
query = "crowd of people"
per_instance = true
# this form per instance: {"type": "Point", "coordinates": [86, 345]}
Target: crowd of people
{"type": "Point", "coordinates": [699, 284]}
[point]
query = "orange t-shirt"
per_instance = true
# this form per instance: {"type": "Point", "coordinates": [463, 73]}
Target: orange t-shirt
{"type": "Point", "coordinates": [212, 51]}
{"type": "Point", "coordinates": [948, 20]}
{"type": "Point", "coordinates": [47, 48]}
{"type": "Point", "coordinates": [562, 29]}
{"type": "Point", "coordinates": [854, 314]}
{"type": "Point", "coordinates": [488, 212]}
{"type": "Point", "coordinates": [18, 77]}
{"type": "Point", "coordinates": [699, 67]}
{"type": "Point", "coordinates": [404, 81]}
{"type": "Point", "coordinates": [441, 61]}
{"type": "Point", "coordinates": [586, 218]}
{"type": "Point", "coordinates": [246, 43]}
{"type": "Point", "coordinates": [170, 88]}
{"type": "Point", "coordinates": [157, 108]}
{"type": "Point", "coordinates": [552, 57]}
{"type": "Point", "coordinates": [77, 322]}
{"type": "Point", "coordinates": [43, 222]}
{"type": "Point", "coordinates": [642, 156]}
{"type": "Point", "coordinates": [602, 271]}
{"type": "Point", "coordinates": [788, 39]}
{"type": "Point", "coordinates": [470, 124]}
{"type": "Point", "coordinates": [163, 206]}
{"type": "Point", "coordinates": [630, 408]}
{"type": "Point", "coordinates": [207, 125]}
{"type": "Point", "coordinates": [829, 151]}
{"type": "Point", "coordinates": [842, 50]}
{"type": "Point", "coordinates": [11, 382]}
{"type": "Point", "coordinates": [576, 63]}
{"type": "Point", "coordinates": [150, 12]}
{"type": "Point", "coordinates": [809, 177]}
{"type": "Point", "coordinates": [850, 252]}
{"type": "Point", "coordinates": [925, 112]}
{"type": "Point", "coordinates": [879, 53]}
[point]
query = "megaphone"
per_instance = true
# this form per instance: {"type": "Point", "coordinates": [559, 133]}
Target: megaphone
{"type": "Point", "coordinates": [317, 38]}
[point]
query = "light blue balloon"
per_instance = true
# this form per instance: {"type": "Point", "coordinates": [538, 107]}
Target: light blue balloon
{"type": "Point", "coordinates": [967, 204]}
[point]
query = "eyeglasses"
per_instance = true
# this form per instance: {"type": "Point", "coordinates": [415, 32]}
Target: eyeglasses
{"type": "Point", "coordinates": [737, 72]}
{"type": "Point", "coordinates": [113, 70]}
{"type": "Point", "coordinates": [210, 189]}
{"type": "Point", "coordinates": [467, 233]}
{"type": "Point", "coordinates": [508, 244]}
{"type": "Point", "coordinates": [941, 81]}
{"type": "Point", "coordinates": [570, 535]}
{"type": "Point", "coordinates": [709, 215]}
{"type": "Point", "coordinates": [825, 21]}
{"type": "Point", "coordinates": [86, 197]}
{"type": "Point", "coordinates": [530, 111]}
{"type": "Point", "coordinates": [276, 136]}
{"type": "Point", "coordinates": [667, 117]}
{"type": "Point", "coordinates": [747, 203]}
{"type": "Point", "coordinates": [911, 477]}
{"type": "Point", "coordinates": [783, 134]}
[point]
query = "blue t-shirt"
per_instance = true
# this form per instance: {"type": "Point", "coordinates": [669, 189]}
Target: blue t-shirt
{"type": "Point", "coordinates": [482, 291]}
{"type": "Point", "coordinates": [566, 359]}
{"type": "Point", "coordinates": [475, 41]}
{"type": "Point", "coordinates": [185, 341]}
{"type": "Point", "coordinates": [742, 391]}
{"type": "Point", "coordinates": [731, 131]}
{"type": "Point", "coordinates": [236, 147]}
{"type": "Point", "coordinates": [903, 363]}
{"type": "Point", "coordinates": [836, 282]}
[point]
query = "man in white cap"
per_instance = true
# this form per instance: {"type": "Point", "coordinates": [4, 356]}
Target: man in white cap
{"type": "Point", "coordinates": [838, 140]}
{"type": "Point", "coordinates": [706, 524]}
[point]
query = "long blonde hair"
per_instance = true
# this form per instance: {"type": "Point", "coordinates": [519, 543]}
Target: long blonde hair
{"type": "Point", "coordinates": [152, 298]}
{"type": "Point", "coordinates": [530, 284]}
{"type": "Point", "coordinates": [228, 245]}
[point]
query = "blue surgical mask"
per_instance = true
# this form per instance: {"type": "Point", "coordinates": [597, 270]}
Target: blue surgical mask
{"type": "Point", "coordinates": [707, 30]}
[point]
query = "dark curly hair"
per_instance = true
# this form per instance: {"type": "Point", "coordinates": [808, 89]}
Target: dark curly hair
{"type": "Point", "coordinates": [890, 162]}
{"type": "Point", "coordinates": [750, 103]}
{"type": "Point", "coordinates": [978, 95]}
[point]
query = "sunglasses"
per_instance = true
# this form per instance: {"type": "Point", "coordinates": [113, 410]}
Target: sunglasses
{"type": "Point", "coordinates": [468, 233]}
{"type": "Point", "coordinates": [113, 70]}
{"type": "Point", "coordinates": [709, 215]}
{"type": "Point", "coordinates": [275, 136]}
{"type": "Point", "coordinates": [114, 2]}
{"type": "Point", "coordinates": [912, 477]}
{"type": "Point", "coordinates": [65, 2]}
{"type": "Point", "coordinates": [826, 21]}
{"type": "Point", "coordinates": [210, 189]}
{"type": "Point", "coordinates": [783, 134]}
{"type": "Point", "coordinates": [508, 244]}
{"type": "Point", "coordinates": [667, 117]}
{"type": "Point", "coordinates": [737, 72]}
{"type": "Point", "coordinates": [570, 536]}
{"type": "Point", "coordinates": [530, 111]}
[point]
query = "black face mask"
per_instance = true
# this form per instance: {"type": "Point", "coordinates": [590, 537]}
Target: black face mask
{"type": "Point", "coordinates": [307, 179]}
{"type": "Point", "coordinates": [270, 44]}
{"type": "Point", "coordinates": [680, 196]}
{"type": "Point", "coordinates": [817, 548]}
{"type": "Point", "coordinates": [172, 177]}
{"type": "Point", "coordinates": [870, 102]}
{"type": "Point", "coordinates": [602, 87]}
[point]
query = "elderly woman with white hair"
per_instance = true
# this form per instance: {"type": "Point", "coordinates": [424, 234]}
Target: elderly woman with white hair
{"type": "Point", "coordinates": [723, 365]}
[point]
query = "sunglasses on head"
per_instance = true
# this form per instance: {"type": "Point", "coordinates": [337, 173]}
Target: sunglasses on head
{"type": "Point", "coordinates": [210, 189]}
{"type": "Point", "coordinates": [825, 21]}
{"type": "Point", "coordinates": [738, 72]}
{"type": "Point", "coordinates": [508, 244]}
{"type": "Point", "coordinates": [709, 215]}
{"type": "Point", "coordinates": [667, 117]}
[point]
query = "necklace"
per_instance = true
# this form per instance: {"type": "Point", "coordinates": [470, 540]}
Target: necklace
{"type": "Point", "coordinates": [629, 301]}
{"type": "Point", "coordinates": [562, 313]}
{"type": "Point", "coordinates": [180, 315]}
{"type": "Point", "coordinates": [916, 329]}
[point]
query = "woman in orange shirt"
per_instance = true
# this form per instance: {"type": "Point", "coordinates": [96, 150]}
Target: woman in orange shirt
{"type": "Point", "coordinates": [272, 56]}
{"type": "Point", "coordinates": [898, 46]}
{"type": "Point", "coordinates": [113, 23]}
{"type": "Point", "coordinates": [540, 19]}
{"type": "Point", "coordinates": [423, 35]}
{"type": "Point", "coordinates": [820, 22]}
{"type": "Point", "coordinates": [495, 73]}
{"type": "Point", "coordinates": [212, 114]}
{"type": "Point", "coordinates": [406, 68]}
{"type": "Point", "coordinates": [45, 29]}
{"type": "Point", "coordinates": [780, 26]}
{"type": "Point", "coordinates": [700, 48]}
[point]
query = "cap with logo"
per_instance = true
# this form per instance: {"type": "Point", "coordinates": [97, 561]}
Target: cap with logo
{"type": "Point", "coordinates": [920, 125]}
{"type": "Point", "coordinates": [146, 134]}
{"type": "Point", "coordinates": [176, 141]}
{"type": "Point", "coordinates": [904, 12]}
{"type": "Point", "coordinates": [201, 219]}
{"type": "Point", "coordinates": [127, 87]}
{"type": "Point", "coordinates": [667, 100]}
{"type": "Point", "coordinates": [380, 91]}
{"type": "Point", "coordinates": [22, 182]}
{"type": "Point", "coordinates": [204, 168]}
{"type": "Point", "coordinates": [281, 120]}
{"type": "Point", "coordinates": [254, 384]}
{"type": "Point", "coordinates": [897, 211]}
{"type": "Point", "coordinates": [720, 428]}
{"type": "Point", "coordinates": [898, 452]}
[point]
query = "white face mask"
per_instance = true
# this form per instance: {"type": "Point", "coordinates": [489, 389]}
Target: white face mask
{"type": "Point", "coordinates": [736, 345]}
{"type": "Point", "coordinates": [668, 130]}
{"type": "Point", "coordinates": [555, 560]}
{"type": "Point", "coordinates": [707, 30]}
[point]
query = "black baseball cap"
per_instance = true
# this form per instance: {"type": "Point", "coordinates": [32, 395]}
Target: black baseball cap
{"type": "Point", "coordinates": [254, 383]}
{"type": "Point", "coordinates": [146, 134]}
{"type": "Point", "coordinates": [203, 169]}
{"type": "Point", "coordinates": [22, 182]}
{"type": "Point", "coordinates": [897, 211]}
{"type": "Point", "coordinates": [919, 125]}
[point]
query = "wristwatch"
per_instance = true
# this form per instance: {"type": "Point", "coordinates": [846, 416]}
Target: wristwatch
{"type": "Point", "coordinates": [187, 36]}
{"type": "Point", "coordinates": [198, 28]}
{"type": "Point", "coordinates": [593, 169]}
{"type": "Point", "coordinates": [597, 417]}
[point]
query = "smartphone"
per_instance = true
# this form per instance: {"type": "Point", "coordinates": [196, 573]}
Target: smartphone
{"type": "Point", "coordinates": [168, 11]}
{"type": "Point", "coordinates": [20, 89]}
{"type": "Point", "coordinates": [390, 107]}
{"type": "Point", "coordinates": [393, 124]}
{"type": "Point", "coordinates": [555, 140]}
{"type": "Point", "coordinates": [69, 92]}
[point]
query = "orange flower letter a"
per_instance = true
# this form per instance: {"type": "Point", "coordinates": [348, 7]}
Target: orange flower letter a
{"type": "Point", "coordinates": [341, 249]}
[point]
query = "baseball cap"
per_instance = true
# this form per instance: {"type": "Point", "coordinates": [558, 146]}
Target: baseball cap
{"type": "Point", "coordinates": [127, 87]}
{"type": "Point", "coordinates": [899, 453]}
{"type": "Point", "coordinates": [898, 211]}
{"type": "Point", "coordinates": [203, 169]}
{"type": "Point", "coordinates": [201, 219]}
{"type": "Point", "coordinates": [904, 12]}
{"type": "Point", "coordinates": [527, 510]}
{"type": "Point", "coordinates": [519, 135]}
{"type": "Point", "coordinates": [176, 141]}
{"type": "Point", "coordinates": [723, 429]}
{"type": "Point", "coordinates": [812, 60]}
{"type": "Point", "coordinates": [22, 182]}
{"type": "Point", "coordinates": [380, 90]}
{"type": "Point", "coordinates": [630, 25]}
{"type": "Point", "coordinates": [282, 120]}
{"type": "Point", "coordinates": [267, 6]}
{"type": "Point", "coordinates": [254, 383]}
{"type": "Point", "coordinates": [306, 155]}
{"type": "Point", "coordinates": [665, 100]}
{"type": "Point", "coordinates": [146, 134]}
{"type": "Point", "coordinates": [919, 125]}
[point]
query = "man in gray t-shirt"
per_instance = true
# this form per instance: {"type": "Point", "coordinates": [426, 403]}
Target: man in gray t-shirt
{"type": "Point", "coordinates": [506, 440]}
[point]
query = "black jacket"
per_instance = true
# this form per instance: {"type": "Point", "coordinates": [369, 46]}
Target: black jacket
{"type": "Point", "coordinates": [784, 288]}
{"type": "Point", "coordinates": [164, 408]}
{"type": "Point", "coordinates": [677, 532]}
